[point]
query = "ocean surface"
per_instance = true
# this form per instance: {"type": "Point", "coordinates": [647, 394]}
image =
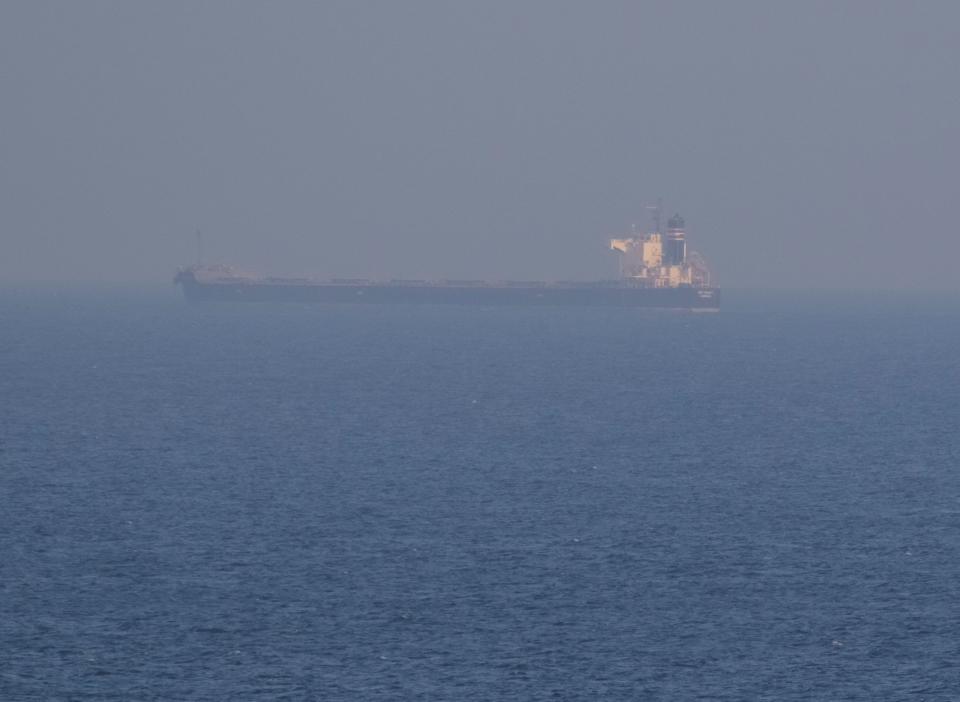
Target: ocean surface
{"type": "Point", "coordinates": [285, 502]}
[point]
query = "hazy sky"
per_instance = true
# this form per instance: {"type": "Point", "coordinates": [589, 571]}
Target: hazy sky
{"type": "Point", "coordinates": [808, 144]}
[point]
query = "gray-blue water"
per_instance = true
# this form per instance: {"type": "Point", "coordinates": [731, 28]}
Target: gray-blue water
{"type": "Point", "coordinates": [422, 503]}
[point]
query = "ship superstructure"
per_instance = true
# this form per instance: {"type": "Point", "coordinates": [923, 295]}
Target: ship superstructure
{"type": "Point", "coordinates": [658, 260]}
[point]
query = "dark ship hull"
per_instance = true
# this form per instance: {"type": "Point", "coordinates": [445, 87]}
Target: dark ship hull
{"type": "Point", "coordinates": [605, 294]}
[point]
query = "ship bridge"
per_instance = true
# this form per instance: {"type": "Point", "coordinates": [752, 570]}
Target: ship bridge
{"type": "Point", "coordinates": [656, 260]}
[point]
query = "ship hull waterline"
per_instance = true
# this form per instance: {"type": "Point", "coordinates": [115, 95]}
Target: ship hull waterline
{"type": "Point", "coordinates": [681, 298]}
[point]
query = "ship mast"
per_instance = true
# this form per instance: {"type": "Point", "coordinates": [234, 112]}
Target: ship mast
{"type": "Point", "coordinates": [656, 213]}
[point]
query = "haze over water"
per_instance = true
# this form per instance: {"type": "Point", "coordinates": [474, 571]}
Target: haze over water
{"type": "Point", "coordinates": [379, 503]}
{"type": "Point", "coordinates": [808, 144]}
{"type": "Point", "coordinates": [328, 502]}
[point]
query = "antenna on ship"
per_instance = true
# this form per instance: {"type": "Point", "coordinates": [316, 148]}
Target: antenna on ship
{"type": "Point", "coordinates": [199, 248]}
{"type": "Point", "coordinates": [657, 212]}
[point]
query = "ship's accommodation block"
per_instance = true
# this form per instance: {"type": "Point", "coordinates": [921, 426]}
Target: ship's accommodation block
{"type": "Point", "coordinates": [651, 260]}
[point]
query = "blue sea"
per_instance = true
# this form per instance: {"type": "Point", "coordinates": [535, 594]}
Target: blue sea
{"type": "Point", "coordinates": [285, 502]}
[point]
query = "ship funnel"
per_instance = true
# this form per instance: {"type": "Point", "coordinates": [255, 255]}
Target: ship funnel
{"type": "Point", "coordinates": [675, 253]}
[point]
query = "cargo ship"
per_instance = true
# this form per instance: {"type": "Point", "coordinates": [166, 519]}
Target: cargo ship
{"type": "Point", "coordinates": [655, 271]}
